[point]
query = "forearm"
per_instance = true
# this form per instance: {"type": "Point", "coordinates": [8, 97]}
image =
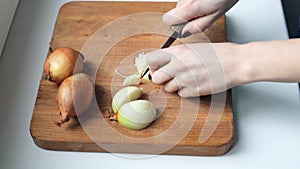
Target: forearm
{"type": "Point", "coordinates": [276, 61]}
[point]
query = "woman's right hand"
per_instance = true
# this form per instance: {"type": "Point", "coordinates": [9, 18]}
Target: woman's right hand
{"type": "Point", "coordinates": [201, 14]}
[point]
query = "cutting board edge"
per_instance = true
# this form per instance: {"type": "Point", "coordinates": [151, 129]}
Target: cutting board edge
{"type": "Point", "coordinates": [212, 150]}
{"type": "Point", "coordinates": [92, 147]}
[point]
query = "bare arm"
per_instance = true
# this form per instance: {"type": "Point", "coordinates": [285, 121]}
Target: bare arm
{"type": "Point", "coordinates": [276, 61]}
{"type": "Point", "coordinates": [204, 68]}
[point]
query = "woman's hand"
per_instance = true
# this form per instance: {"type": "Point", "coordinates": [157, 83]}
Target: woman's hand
{"type": "Point", "coordinates": [200, 13]}
{"type": "Point", "coordinates": [207, 68]}
{"type": "Point", "coordinates": [196, 69]}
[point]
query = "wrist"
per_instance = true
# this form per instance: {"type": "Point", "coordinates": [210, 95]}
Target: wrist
{"type": "Point", "coordinates": [265, 61]}
{"type": "Point", "coordinates": [257, 61]}
{"type": "Point", "coordinates": [237, 66]}
{"type": "Point", "coordinates": [247, 64]}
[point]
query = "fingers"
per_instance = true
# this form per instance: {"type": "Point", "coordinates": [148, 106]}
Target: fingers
{"type": "Point", "coordinates": [152, 70]}
{"type": "Point", "coordinates": [198, 25]}
{"type": "Point", "coordinates": [163, 64]}
{"type": "Point", "coordinates": [180, 14]}
{"type": "Point", "coordinates": [163, 74]}
{"type": "Point", "coordinates": [158, 58]}
{"type": "Point", "coordinates": [172, 86]}
{"type": "Point", "coordinates": [199, 17]}
{"type": "Point", "coordinates": [189, 92]}
{"type": "Point", "coordinates": [185, 92]}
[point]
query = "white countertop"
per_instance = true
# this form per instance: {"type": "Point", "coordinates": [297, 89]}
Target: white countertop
{"type": "Point", "coordinates": [267, 115]}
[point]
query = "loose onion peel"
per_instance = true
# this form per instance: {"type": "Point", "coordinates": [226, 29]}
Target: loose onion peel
{"type": "Point", "coordinates": [141, 66]}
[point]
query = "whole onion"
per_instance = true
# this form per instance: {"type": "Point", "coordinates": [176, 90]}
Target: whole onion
{"type": "Point", "coordinates": [74, 96]}
{"type": "Point", "coordinates": [62, 63]}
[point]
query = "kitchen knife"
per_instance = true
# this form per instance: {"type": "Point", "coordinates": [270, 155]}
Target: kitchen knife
{"type": "Point", "coordinates": [177, 33]}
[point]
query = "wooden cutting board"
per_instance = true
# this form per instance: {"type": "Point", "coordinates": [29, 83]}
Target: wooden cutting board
{"type": "Point", "coordinates": [195, 126]}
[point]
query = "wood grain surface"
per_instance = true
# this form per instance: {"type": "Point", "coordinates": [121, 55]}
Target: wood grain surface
{"type": "Point", "coordinates": [195, 126]}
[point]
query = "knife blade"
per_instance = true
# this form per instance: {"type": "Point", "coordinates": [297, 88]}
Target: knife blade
{"type": "Point", "coordinates": [177, 33]}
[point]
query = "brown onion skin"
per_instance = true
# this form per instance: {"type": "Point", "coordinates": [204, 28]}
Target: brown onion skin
{"type": "Point", "coordinates": [74, 96]}
{"type": "Point", "coordinates": [62, 63]}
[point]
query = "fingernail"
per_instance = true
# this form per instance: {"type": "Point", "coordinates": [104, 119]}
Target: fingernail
{"type": "Point", "coordinates": [153, 78]}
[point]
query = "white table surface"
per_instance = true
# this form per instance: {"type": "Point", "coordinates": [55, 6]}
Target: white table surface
{"type": "Point", "coordinates": [267, 115]}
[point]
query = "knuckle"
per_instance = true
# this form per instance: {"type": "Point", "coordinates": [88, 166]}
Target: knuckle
{"type": "Point", "coordinates": [202, 91]}
{"type": "Point", "coordinates": [167, 88]}
{"type": "Point", "coordinates": [198, 90]}
{"type": "Point", "coordinates": [182, 94]}
{"type": "Point", "coordinates": [167, 72]}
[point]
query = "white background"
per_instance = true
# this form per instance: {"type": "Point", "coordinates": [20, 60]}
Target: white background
{"type": "Point", "coordinates": [267, 114]}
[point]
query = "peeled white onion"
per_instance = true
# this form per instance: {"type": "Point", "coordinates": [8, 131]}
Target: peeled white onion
{"type": "Point", "coordinates": [136, 115]}
{"type": "Point", "coordinates": [125, 95]}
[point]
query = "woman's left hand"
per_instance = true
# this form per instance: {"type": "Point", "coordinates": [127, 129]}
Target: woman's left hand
{"type": "Point", "coordinates": [196, 69]}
